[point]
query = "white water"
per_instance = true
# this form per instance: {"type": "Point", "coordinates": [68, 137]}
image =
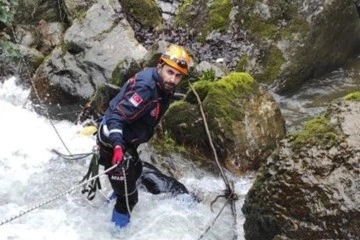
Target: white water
{"type": "Point", "coordinates": [31, 174]}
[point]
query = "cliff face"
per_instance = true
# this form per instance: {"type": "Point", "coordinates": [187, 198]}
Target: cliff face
{"type": "Point", "coordinates": [281, 43]}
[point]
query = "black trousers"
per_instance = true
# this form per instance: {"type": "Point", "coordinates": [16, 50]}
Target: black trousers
{"type": "Point", "coordinates": [123, 186]}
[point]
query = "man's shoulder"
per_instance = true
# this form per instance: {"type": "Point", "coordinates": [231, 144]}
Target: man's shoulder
{"type": "Point", "coordinates": [146, 77]}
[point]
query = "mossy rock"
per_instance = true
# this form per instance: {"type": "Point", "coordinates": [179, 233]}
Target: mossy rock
{"type": "Point", "coordinates": [272, 61]}
{"type": "Point", "coordinates": [355, 96]}
{"type": "Point", "coordinates": [270, 27]}
{"type": "Point", "coordinates": [146, 12]}
{"type": "Point", "coordinates": [316, 132]}
{"type": "Point", "coordinates": [220, 102]}
{"type": "Point", "coordinates": [33, 11]}
{"type": "Point", "coordinates": [78, 8]}
{"type": "Point", "coordinates": [204, 16]}
{"type": "Point", "coordinates": [103, 94]}
{"type": "Point", "coordinates": [267, 30]}
{"type": "Point", "coordinates": [123, 71]}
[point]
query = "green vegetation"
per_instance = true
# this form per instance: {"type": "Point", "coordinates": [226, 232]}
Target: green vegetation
{"type": "Point", "coordinates": [221, 102]}
{"type": "Point", "coordinates": [204, 16]}
{"type": "Point", "coordinates": [208, 75]}
{"type": "Point", "coordinates": [268, 29]}
{"type": "Point", "coordinates": [317, 131]}
{"type": "Point", "coordinates": [218, 17]}
{"type": "Point", "coordinates": [145, 12]}
{"type": "Point", "coordinates": [355, 96]}
{"type": "Point", "coordinates": [272, 62]}
{"type": "Point", "coordinates": [220, 98]}
{"type": "Point", "coordinates": [223, 94]}
{"type": "Point", "coordinates": [228, 86]}
{"type": "Point", "coordinates": [165, 143]}
{"type": "Point", "coordinates": [242, 64]}
{"type": "Point", "coordinates": [260, 26]}
{"type": "Point", "coordinates": [7, 12]}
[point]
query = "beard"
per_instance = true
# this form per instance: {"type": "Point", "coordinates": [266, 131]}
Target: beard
{"type": "Point", "coordinates": [169, 87]}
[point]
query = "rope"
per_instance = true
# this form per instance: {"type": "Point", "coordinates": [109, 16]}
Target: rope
{"type": "Point", "coordinates": [229, 191]}
{"type": "Point", "coordinates": [215, 219]}
{"type": "Point", "coordinates": [233, 210]}
{"type": "Point", "coordinates": [55, 197]}
{"type": "Point", "coordinates": [209, 137]}
{"type": "Point", "coordinates": [41, 103]}
{"type": "Point", "coordinates": [126, 191]}
{"type": "Point", "coordinates": [77, 156]}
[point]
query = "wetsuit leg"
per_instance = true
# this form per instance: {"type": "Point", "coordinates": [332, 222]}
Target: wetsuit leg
{"type": "Point", "coordinates": [133, 171]}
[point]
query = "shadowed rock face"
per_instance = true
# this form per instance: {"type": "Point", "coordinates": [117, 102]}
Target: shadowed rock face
{"type": "Point", "coordinates": [311, 192]}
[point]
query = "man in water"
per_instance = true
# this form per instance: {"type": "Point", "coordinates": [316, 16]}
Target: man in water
{"type": "Point", "coordinates": [130, 120]}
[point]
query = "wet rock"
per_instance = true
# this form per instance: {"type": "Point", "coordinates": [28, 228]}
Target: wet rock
{"type": "Point", "coordinates": [311, 192]}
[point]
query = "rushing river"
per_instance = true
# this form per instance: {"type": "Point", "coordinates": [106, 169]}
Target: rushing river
{"type": "Point", "coordinates": [31, 174]}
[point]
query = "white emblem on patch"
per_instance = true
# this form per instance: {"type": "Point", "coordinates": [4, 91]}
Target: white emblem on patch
{"type": "Point", "coordinates": [135, 99]}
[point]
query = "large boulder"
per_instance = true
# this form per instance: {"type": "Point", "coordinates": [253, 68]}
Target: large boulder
{"type": "Point", "coordinates": [309, 188]}
{"type": "Point", "coordinates": [92, 48]}
{"type": "Point", "coordinates": [244, 122]}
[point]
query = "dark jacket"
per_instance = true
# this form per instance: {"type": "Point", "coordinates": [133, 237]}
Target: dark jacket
{"type": "Point", "coordinates": [135, 111]}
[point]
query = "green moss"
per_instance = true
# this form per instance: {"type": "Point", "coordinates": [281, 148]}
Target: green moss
{"type": "Point", "coordinates": [259, 27]}
{"type": "Point", "coordinates": [242, 64]}
{"type": "Point", "coordinates": [146, 12]}
{"type": "Point", "coordinates": [219, 98]}
{"type": "Point", "coordinates": [221, 102]}
{"type": "Point", "coordinates": [165, 143]}
{"type": "Point", "coordinates": [317, 131]}
{"type": "Point", "coordinates": [185, 14]}
{"type": "Point", "coordinates": [117, 75]}
{"type": "Point", "coordinates": [229, 85]}
{"type": "Point", "coordinates": [208, 75]}
{"type": "Point", "coordinates": [239, 82]}
{"type": "Point", "coordinates": [64, 46]}
{"type": "Point", "coordinates": [124, 69]}
{"type": "Point", "coordinates": [268, 30]}
{"type": "Point", "coordinates": [185, 128]}
{"type": "Point", "coordinates": [272, 61]}
{"type": "Point", "coordinates": [218, 16]}
{"type": "Point", "coordinates": [204, 16]}
{"type": "Point", "coordinates": [355, 96]}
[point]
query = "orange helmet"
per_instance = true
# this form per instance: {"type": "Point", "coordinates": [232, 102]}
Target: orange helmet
{"type": "Point", "coordinates": [176, 57]}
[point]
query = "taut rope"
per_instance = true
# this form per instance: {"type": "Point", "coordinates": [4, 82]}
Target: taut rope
{"type": "Point", "coordinates": [55, 197]}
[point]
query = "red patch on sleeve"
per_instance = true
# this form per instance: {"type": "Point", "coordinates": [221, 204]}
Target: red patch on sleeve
{"type": "Point", "coordinates": [135, 99]}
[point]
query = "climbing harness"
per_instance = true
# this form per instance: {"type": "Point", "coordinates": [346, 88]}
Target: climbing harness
{"type": "Point", "coordinates": [93, 170]}
{"type": "Point", "coordinates": [94, 185]}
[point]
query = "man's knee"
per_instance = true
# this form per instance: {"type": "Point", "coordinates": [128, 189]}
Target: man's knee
{"type": "Point", "coordinates": [126, 202]}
